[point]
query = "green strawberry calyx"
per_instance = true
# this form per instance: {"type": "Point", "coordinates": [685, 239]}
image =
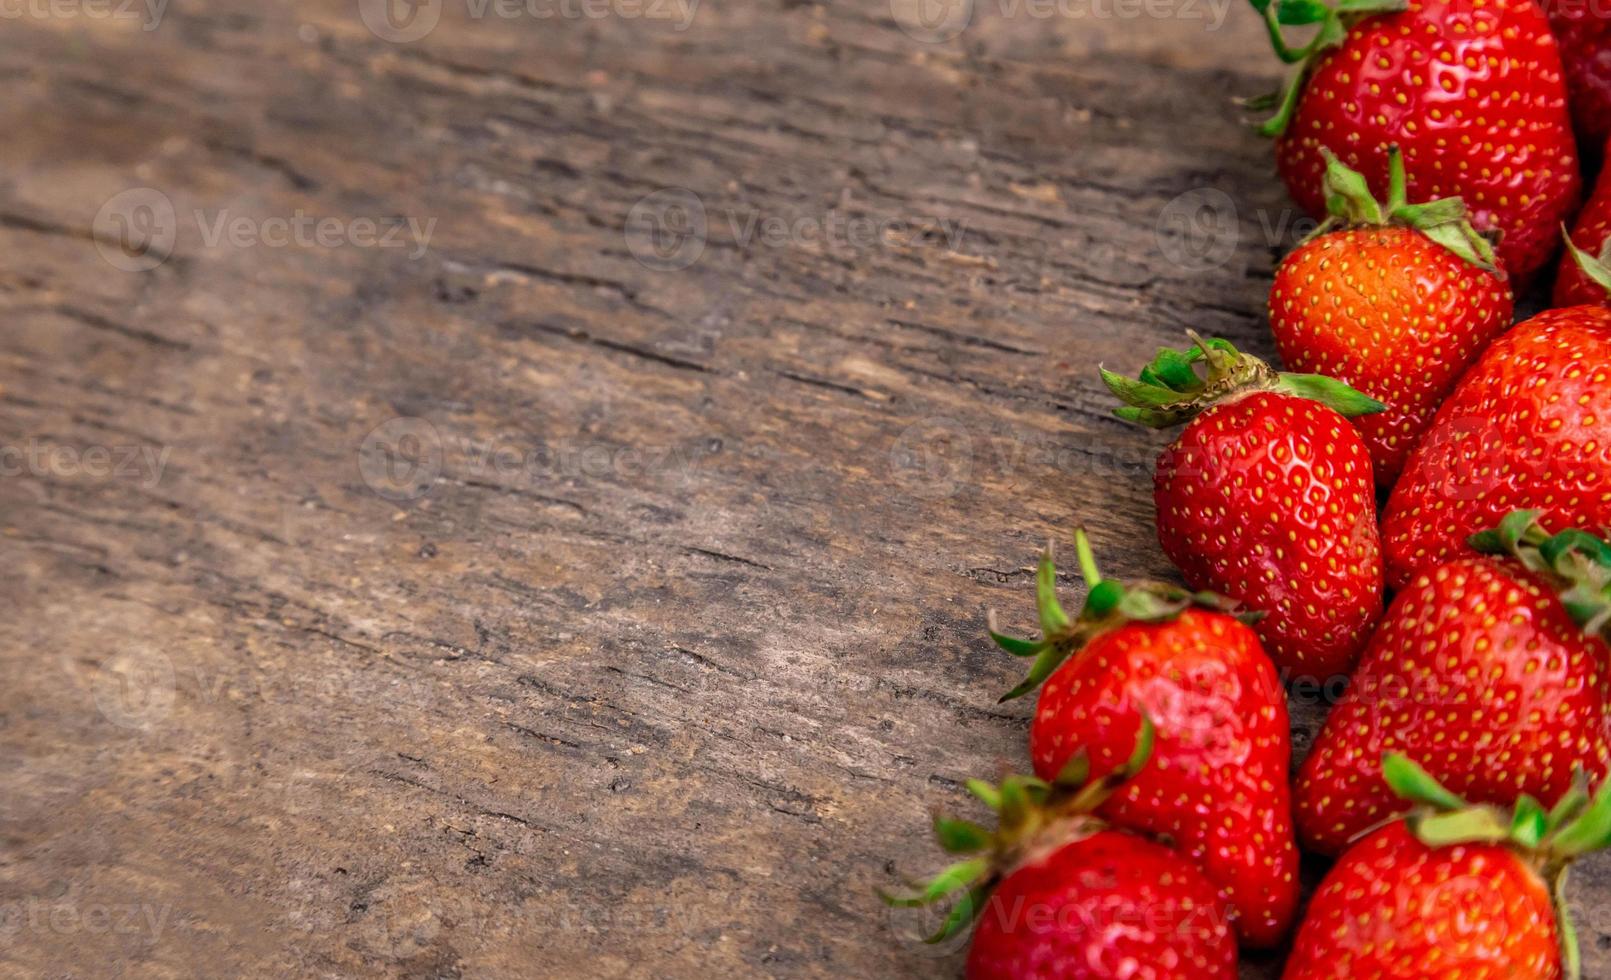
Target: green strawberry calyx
{"type": "Point", "coordinates": [1575, 561]}
{"type": "Point", "coordinates": [1549, 840]}
{"type": "Point", "coordinates": [1109, 604]}
{"type": "Point", "coordinates": [1033, 818]}
{"type": "Point", "coordinates": [1445, 220]}
{"type": "Point", "coordinates": [1170, 390]}
{"type": "Point", "coordinates": [1596, 267]}
{"type": "Point", "coordinates": [1332, 22]}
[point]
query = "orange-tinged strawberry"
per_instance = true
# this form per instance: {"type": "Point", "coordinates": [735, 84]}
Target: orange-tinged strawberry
{"type": "Point", "coordinates": [1267, 497]}
{"type": "Point", "coordinates": [1218, 783]}
{"type": "Point", "coordinates": [1527, 426]}
{"type": "Point", "coordinates": [1473, 93]}
{"type": "Point", "coordinates": [1394, 299]}
{"type": "Point", "coordinates": [1453, 891]}
{"type": "Point", "coordinates": [1060, 895]}
{"type": "Point", "coordinates": [1483, 673]}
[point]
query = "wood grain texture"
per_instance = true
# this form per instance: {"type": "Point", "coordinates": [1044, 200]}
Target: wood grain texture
{"type": "Point", "coordinates": [663, 670]}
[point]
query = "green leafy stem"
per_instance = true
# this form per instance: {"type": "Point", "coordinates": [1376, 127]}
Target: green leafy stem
{"type": "Point", "coordinates": [1334, 20]}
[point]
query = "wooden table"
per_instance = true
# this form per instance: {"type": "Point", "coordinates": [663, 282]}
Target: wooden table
{"type": "Point", "coordinates": [522, 501]}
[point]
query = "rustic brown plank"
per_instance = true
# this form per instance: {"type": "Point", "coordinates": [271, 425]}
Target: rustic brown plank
{"type": "Point", "coordinates": [662, 675]}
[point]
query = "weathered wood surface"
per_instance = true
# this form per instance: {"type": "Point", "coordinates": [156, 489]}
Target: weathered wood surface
{"type": "Point", "coordinates": [665, 669]}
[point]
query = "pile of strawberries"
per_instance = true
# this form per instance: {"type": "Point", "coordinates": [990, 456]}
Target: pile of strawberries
{"type": "Point", "coordinates": [1464, 767]}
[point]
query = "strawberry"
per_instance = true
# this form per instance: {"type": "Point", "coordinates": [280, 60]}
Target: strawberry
{"type": "Point", "coordinates": [1267, 497]}
{"type": "Point", "coordinates": [1453, 890]}
{"type": "Point", "coordinates": [1529, 425]}
{"type": "Point", "coordinates": [1472, 92]}
{"type": "Point", "coordinates": [1583, 33]}
{"type": "Point", "coordinates": [1218, 787]}
{"type": "Point", "coordinates": [1394, 300]}
{"type": "Point", "coordinates": [1059, 895]}
{"type": "Point", "coordinates": [1584, 277]}
{"type": "Point", "coordinates": [1483, 672]}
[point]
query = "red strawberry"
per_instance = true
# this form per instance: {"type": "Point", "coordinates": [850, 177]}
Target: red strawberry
{"type": "Point", "coordinates": [1218, 786]}
{"type": "Point", "coordinates": [1582, 30]}
{"type": "Point", "coordinates": [1452, 891]}
{"type": "Point", "coordinates": [1396, 302]}
{"type": "Point", "coordinates": [1267, 497]}
{"type": "Point", "coordinates": [1482, 671]}
{"type": "Point", "coordinates": [1529, 425]}
{"type": "Point", "coordinates": [1060, 896]}
{"type": "Point", "coordinates": [1472, 92]}
{"type": "Point", "coordinates": [1584, 277]}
